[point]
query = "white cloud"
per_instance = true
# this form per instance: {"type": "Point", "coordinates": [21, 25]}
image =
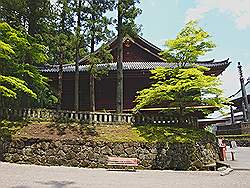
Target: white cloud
{"type": "Point", "coordinates": [239, 9]}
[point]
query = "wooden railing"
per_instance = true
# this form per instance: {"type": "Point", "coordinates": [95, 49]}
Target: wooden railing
{"type": "Point", "coordinates": [96, 117]}
{"type": "Point", "coordinates": [163, 119]}
{"type": "Point", "coordinates": [88, 117]}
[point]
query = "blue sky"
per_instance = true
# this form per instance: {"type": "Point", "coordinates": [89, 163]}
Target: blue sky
{"type": "Point", "coordinates": [228, 21]}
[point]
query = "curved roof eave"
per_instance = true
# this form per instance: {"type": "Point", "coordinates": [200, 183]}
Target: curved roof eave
{"type": "Point", "coordinates": [131, 66]}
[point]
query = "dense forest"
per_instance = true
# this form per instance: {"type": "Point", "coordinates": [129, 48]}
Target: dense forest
{"type": "Point", "coordinates": [34, 33]}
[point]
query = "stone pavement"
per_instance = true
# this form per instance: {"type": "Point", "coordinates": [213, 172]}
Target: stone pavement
{"type": "Point", "coordinates": [32, 176]}
{"type": "Point", "coordinates": [242, 159]}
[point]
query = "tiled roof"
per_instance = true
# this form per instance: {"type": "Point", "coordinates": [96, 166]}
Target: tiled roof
{"type": "Point", "coordinates": [129, 66]}
{"type": "Point", "coordinates": [212, 63]}
{"type": "Point", "coordinates": [110, 66]}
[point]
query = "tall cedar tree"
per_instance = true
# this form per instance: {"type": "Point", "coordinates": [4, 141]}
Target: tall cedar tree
{"type": "Point", "coordinates": [96, 30]}
{"type": "Point", "coordinates": [69, 42]}
{"type": "Point", "coordinates": [78, 41]}
{"type": "Point", "coordinates": [35, 17]}
{"type": "Point", "coordinates": [127, 12]}
{"type": "Point", "coordinates": [30, 15]}
{"type": "Point", "coordinates": [64, 23]}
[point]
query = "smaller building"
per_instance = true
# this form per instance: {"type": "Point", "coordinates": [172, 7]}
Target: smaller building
{"type": "Point", "coordinates": [234, 122]}
{"type": "Point", "coordinates": [237, 97]}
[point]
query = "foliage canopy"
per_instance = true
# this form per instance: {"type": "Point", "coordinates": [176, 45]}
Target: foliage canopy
{"type": "Point", "coordinates": [186, 85]}
{"type": "Point", "coordinates": [191, 42]}
{"type": "Point", "coordinates": [181, 88]}
{"type": "Point", "coordinates": [19, 78]}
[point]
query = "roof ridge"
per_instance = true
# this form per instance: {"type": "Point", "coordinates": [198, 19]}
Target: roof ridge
{"type": "Point", "coordinates": [213, 61]}
{"type": "Point", "coordinates": [147, 50]}
{"type": "Point", "coordinates": [149, 43]}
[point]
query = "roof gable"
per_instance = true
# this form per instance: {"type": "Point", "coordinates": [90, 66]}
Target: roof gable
{"type": "Point", "coordinates": [134, 49]}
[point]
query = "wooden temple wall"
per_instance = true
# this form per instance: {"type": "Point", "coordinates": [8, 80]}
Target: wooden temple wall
{"type": "Point", "coordinates": [105, 90]}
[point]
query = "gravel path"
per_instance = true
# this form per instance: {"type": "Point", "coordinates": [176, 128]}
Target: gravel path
{"type": "Point", "coordinates": [32, 176]}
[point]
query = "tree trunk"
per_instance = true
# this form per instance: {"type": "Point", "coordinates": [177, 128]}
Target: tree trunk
{"type": "Point", "coordinates": [181, 115]}
{"type": "Point", "coordinates": [60, 73]}
{"type": "Point", "coordinates": [60, 81]}
{"type": "Point", "coordinates": [181, 118]}
{"type": "Point", "coordinates": [32, 17]}
{"type": "Point", "coordinates": [119, 91]}
{"type": "Point", "coordinates": [77, 57]}
{"type": "Point", "coordinates": [91, 76]}
{"type": "Point", "coordinates": [77, 79]}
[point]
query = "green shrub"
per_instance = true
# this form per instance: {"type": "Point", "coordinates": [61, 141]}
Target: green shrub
{"type": "Point", "coordinates": [8, 128]}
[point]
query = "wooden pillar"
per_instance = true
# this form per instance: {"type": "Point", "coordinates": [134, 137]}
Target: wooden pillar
{"type": "Point", "coordinates": [232, 115]}
{"type": "Point", "coordinates": [244, 94]}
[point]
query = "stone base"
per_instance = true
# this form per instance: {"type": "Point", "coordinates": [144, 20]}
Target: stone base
{"type": "Point", "coordinates": [175, 156]}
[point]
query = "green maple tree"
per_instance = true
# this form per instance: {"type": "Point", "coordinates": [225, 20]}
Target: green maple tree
{"type": "Point", "coordinates": [185, 85]}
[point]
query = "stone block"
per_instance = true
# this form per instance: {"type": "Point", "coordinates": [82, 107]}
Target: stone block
{"type": "Point", "coordinates": [61, 154]}
{"type": "Point", "coordinates": [73, 162]}
{"type": "Point", "coordinates": [130, 150]}
{"type": "Point", "coordinates": [15, 157]}
{"type": "Point", "coordinates": [106, 150]}
{"type": "Point", "coordinates": [70, 155]}
{"type": "Point", "coordinates": [28, 151]}
{"type": "Point", "coordinates": [118, 149]}
{"type": "Point", "coordinates": [44, 145]}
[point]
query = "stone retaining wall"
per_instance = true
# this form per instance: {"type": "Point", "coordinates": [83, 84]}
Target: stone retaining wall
{"type": "Point", "coordinates": [176, 156]}
{"type": "Point", "coordinates": [1, 150]}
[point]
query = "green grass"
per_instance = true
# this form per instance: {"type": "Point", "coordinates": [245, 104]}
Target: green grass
{"type": "Point", "coordinates": [118, 133]}
{"type": "Point", "coordinates": [149, 133]}
{"type": "Point", "coordinates": [171, 134]}
{"type": "Point", "coordinates": [110, 133]}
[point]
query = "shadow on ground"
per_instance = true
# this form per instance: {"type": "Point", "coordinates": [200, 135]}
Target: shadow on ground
{"type": "Point", "coordinates": [52, 184]}
{"type": "Point", "coordinates": [57, 184]}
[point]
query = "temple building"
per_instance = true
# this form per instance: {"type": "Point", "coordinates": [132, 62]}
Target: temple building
{"type": "Point", "coordinates": [237, 99]}
{"type": "Point", "coordinates": [139, 57]}
{"type": "Point", "coordinates": [236, 122]}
